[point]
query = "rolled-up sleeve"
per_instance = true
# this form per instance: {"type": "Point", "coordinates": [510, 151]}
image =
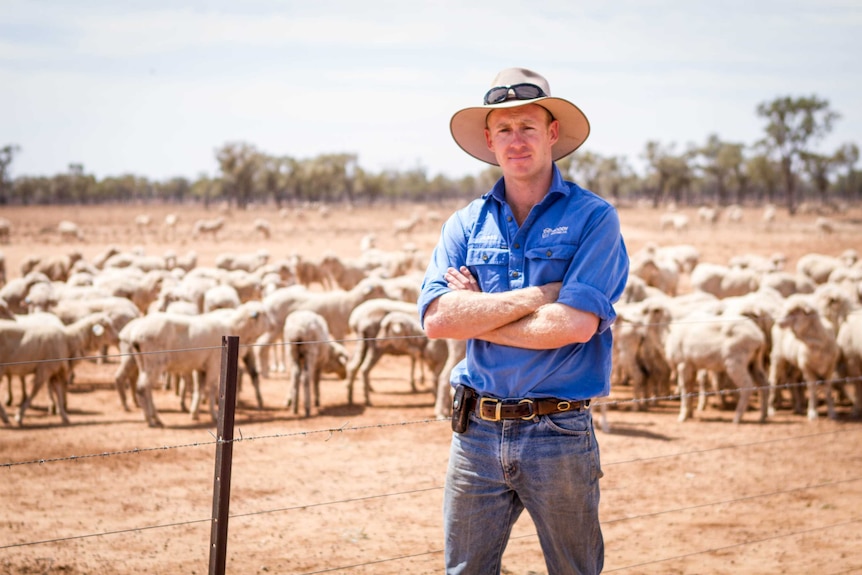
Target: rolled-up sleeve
{"type": "Point", "coordinates": [597, 277]}
{"type": "Point", "coordinates": [451, 251]}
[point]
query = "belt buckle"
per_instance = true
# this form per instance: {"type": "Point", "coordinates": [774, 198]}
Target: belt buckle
{"type": "Point", "coordinates": [532, 409]}
{"type": "Point", "coordinates": [497, 410]}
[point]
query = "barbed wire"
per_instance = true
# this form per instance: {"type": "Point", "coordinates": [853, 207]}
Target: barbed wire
{"type": "Point", "coordinates": [330, 431]}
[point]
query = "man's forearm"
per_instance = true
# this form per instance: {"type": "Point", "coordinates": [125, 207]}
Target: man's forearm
{"type": "Point", "coordinates": [550, 327]}
{"type": "Point", "coordinates": [463, 314]}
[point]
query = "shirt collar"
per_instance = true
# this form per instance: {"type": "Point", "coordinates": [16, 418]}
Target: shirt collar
{"type": "Point", "coordinates": [558, 185]}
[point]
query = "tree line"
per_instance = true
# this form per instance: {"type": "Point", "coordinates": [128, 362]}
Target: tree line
{"type": "Point", "coordinates": [780, 168]}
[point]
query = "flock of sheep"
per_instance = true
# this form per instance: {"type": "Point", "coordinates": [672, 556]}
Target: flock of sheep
{"type": "Point", "coordinates": [166, 315]}
{"type": "Point", "coordinates": [747, 326]}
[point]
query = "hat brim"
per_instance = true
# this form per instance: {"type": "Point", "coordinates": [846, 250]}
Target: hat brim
{"type": "Point", "coordinates": [468, 127]}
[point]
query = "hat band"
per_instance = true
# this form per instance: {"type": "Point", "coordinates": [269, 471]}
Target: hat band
{"type": "Point", "coordinates": [523, 91]}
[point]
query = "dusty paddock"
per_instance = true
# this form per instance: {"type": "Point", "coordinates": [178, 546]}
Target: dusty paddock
{"type": "Point", "coordinates": [358, 490]}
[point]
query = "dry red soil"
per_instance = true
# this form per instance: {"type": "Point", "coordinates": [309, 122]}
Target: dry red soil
{"type": "Point", "coordinates": [358, 489]}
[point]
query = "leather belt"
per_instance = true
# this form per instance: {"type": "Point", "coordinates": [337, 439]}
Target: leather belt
{"type": "Point", "coordinates": [493, 409]}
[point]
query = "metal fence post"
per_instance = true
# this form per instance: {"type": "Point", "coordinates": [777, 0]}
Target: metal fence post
{"type": "Point", "coordinates": [224, 454]}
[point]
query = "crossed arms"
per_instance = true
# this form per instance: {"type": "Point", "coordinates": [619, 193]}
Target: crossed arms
{"type": "Point", "coordinates": [528, 318]}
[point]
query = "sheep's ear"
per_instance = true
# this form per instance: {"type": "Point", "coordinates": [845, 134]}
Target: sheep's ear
{"type": "Point", "coordinates": [98, 330]}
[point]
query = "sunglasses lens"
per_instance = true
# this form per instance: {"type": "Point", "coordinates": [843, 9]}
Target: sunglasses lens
{"type": "Point", "coordinates": [497, 95]}
{"type": "Point", "coordinates": [520, 92]}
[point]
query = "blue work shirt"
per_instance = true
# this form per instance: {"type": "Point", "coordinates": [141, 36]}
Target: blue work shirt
{"type": "Point", "coordinates": [572, 236]}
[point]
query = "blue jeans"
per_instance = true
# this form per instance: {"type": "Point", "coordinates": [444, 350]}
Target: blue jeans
{"type": "Point", "coordinates": [550, 466]}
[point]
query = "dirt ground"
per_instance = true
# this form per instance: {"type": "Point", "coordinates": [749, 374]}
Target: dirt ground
{"type": "Point", "coordinates": [358, 489]}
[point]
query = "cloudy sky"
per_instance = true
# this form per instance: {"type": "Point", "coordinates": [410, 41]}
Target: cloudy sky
{"type": "Point", "coordinates": [153, 87]}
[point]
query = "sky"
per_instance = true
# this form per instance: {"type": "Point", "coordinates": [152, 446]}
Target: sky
{"type": "Point", "coordinates": [154, 87]}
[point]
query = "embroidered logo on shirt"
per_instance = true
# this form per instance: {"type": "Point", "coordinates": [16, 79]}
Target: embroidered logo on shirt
{"type": "Point", "coordinates": [555, 231]}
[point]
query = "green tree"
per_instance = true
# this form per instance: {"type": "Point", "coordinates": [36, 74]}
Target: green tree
{"type": "Point", "coordinates": [671, 174]}
{"type": "Point", "coordinates": [239, 163]}
{"type": "Point", "coordinates": [723, 163]}
{"type": "Point", "coordinates": [7, 154]}
{"type": "Point", "coordinates": [793, 126]}
{"type": "Point", "coordinates": [847, 156]}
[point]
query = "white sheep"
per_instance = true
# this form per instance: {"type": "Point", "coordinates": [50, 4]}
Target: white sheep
{"type": "Point", "coordinates": [456, 351]}
{"type": "Point", "coordinates": [335, 306]}
{"type": "Point", "coordinates": [168, 343]}
{"type": "Point", "coordinates": [312, 353]}
{"type": "Point", "coordinates": [263, 227]}
{"type": "Point", "coordinates": [849, 365]}
{"type": "Point", "coordinates": [401, 334]}
{"type": "Point", "coordinates": [208, 227]}
{"type": "Point", "coordinates": [819, 266]}
{"type": "Point", "coordinates": [723, 281]}
{"type": "Point", "coordinates": [733, 346]}
{"type": "Point", "coordinates": [804, 350]}
{"type": "Point", "coordinates": [245, 262]}
{"type": "Point", "coordinates": [69, 231]}
{"type": "Point", "coordinates": [220, 297]}
{"type": "Point", "coordinates": [41, 345]}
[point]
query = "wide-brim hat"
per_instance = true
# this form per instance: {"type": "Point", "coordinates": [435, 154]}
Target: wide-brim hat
{"type": "Point", "coordinates": [468, 125]}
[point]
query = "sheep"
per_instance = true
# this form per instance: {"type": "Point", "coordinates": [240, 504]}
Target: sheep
{"type": "Point", "coordinates": [2, 269]}
{"type": "Point", "coordinates": [734, 213]}
{"type": "Point", "coordinates": [849, 365]}
{"type": "Point", "coordinates": [170, 227]}
{"type": "Point", "coordinates": [819, 266]}
{"type": "Point", "coordinates": [344, 274]}
{"type": "Point", "coordinates": [722, 281]}
{"type": "Point", "coordinates": [406, 226]}
{"type": "Point", "coordinates": [194, 341]}
{"type": "Point", "coordinates": [657, 273]}
{"type": "Point", "coordinates": [787, 283]}
{"type": "Point", "coordinates": [364, 322]}
{"type": "Point", "coordinates": [56, 267]}
{"type": "Point", "coordinates": [803, 345]}
{"type": "Point", "coordinates": [638, 351]}
{"type": "Point", "coordinates": [734, 346]}
{"type": "Point", "coordinates": [137, 286]}
{"type": "Point", "coordinates": [43, 346]}
{"type": "Point", "coordinates": [707, 215]}
{"type": "Point", "coordinates": [40, 350]}
{"type": "Point", "coordinates": [263, 227]}
{"type": "Point", "coordinates": [769, 214]}
{"type": "Point", "coordinates": [210, 228]}
{"type": "Point", "coordinates": [335, 307]}
{"type": "Point", "coordinates": [14, 293]}
{"type": "Point", "coordinates": [311, 353]}
{"type": "Point", "coordinates": [401, 334]}
{"type": "Point", "coordinates": [220, 297]}
{"type": "Point", "coordinates": [69, 231]}
{"type": "Point", "coordinates": [245, 262]}
{"type": "Point", "coordinates": [248, 285]}
{"type": "Point", "coordinates": [824, 226]}
{"type": "Point", "coordinates": [671, 220]}
{"type": "Point", "coordinates": [456, 350]}
{"type": "Point", "coordinates": [309, 272]}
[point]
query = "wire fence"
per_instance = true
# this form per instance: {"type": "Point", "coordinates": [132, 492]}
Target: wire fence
{"type": "Point", "coordinates": [327, 433]}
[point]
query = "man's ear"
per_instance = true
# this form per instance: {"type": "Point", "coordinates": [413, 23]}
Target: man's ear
{"type": "Point", "coordinates": [488, 141]}
{"type": "Point", "coordinates": [554, 131]}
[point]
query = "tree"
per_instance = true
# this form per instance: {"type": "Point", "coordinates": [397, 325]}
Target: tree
{"type": "Point", "coordinates": [672, 174]}
{"type": "Point", "coordinates": [847, 156]}
{"type": "Point", "coordinates": [793, 125]}
{"type": "Point", "coordinates": [7, 154]}
{"type": "Point", "coordinates": [239, 163]}
{"type": "Point", "coordinates": [723, 161]}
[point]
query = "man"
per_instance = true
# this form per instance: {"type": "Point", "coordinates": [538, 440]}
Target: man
{"type": "Point", "coordinates": [528, 275]}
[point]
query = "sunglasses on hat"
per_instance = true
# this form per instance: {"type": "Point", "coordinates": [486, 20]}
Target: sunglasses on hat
{"type": "Point", "coordinates": [523, 91]}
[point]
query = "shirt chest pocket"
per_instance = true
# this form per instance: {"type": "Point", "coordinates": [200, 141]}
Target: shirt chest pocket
{"type": "Point", "coordinates": [490, 267]}
{"type": "Point", "coordinates": [549, 263]}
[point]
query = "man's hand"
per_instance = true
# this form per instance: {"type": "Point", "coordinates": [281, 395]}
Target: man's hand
{"type": "Point", "coordinates": [461, 280]}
